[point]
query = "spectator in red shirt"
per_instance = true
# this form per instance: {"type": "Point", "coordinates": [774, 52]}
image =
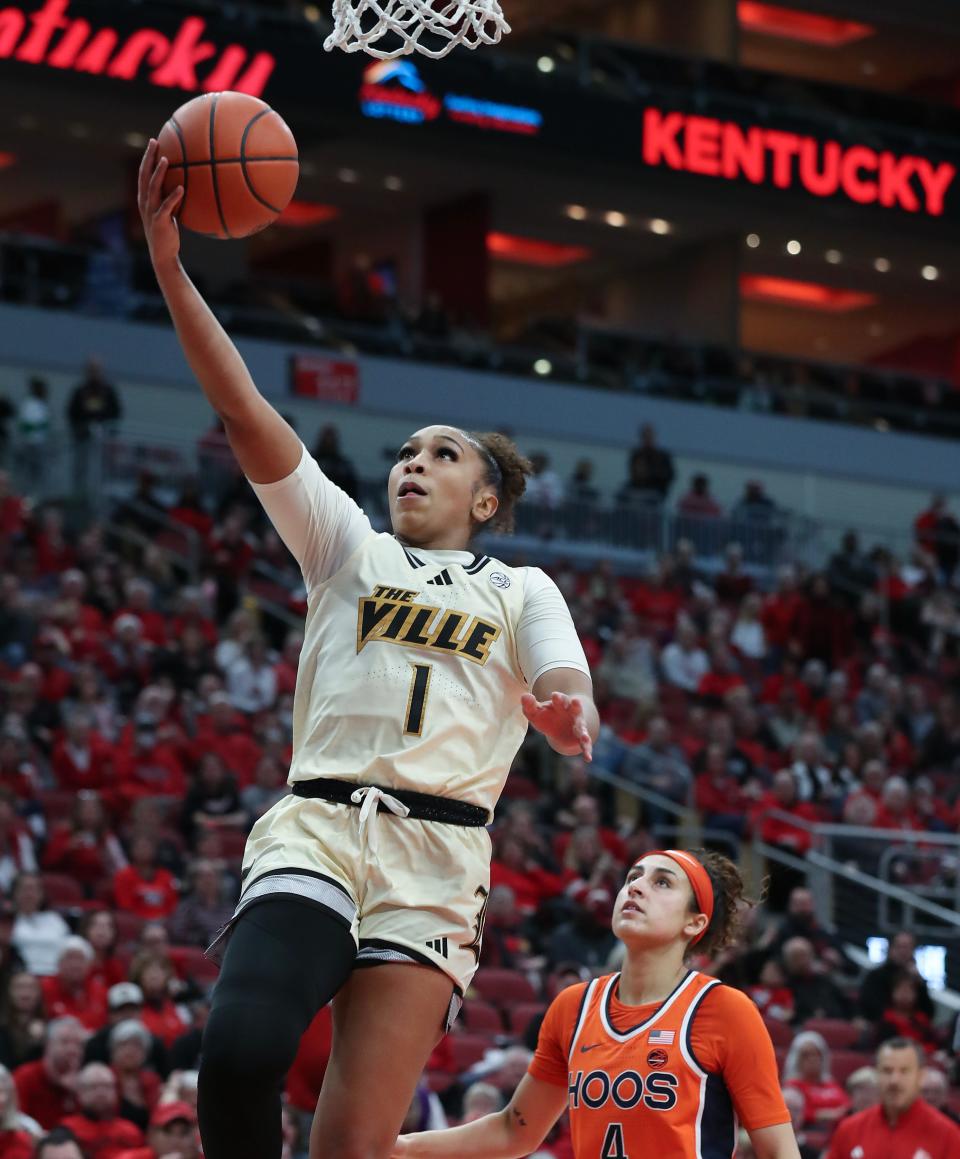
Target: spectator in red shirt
{"type": "Point", "coordinates": [151, 768]}
{"type": "Point", "coordinates": [16, 1142]}
{"type": "Point", "coordinates": [718, 795]}
{"type": "Point", "coordinates": [84, 847]}
{"type": "Point", "coordinates": [732, 583]}
{"type": "Point", "coordinates": [902, 1126]}
{"type": "Point", "coordinates": [153, 626]}
{"type": "Point", "coordinates": [189, 509]}
{"type": "Point", "coordinates": [895, 810]}
{"type": "Point", "coordinates": [903, 1017]}
{"type": "Point", "coordinates": [173, 1134]}
{"type": "Point", "coordinates": [225, 731]}
{"type": "Point", "coordinates": [46, 1088]}
{"type": "Point", "coordinates": [723, 675]}
{"type": "Point", "coordinates": [190, 612]}
{"type": "Point", "coordinates": [807, 1069]}
{"type": "Point", "coordinates": [143, 888]}
{"type": "Point", "coordinates": [777, 830]}
{"type": "Point", "coordinates": [81, 759]}
{"type": "Point", "coordinates": [155, 976]}
{"type": "Point", "coordinates": [99, 1130]}
{"type": "Point", "coordinates": [772, 995]}
{"type": "Point", "coordinates": [128, 658]}
{"type": "Point", "coordinates": [530, 882]}
{"type": "Point", "coordinates": [781, 610]}
{"type": "Point", "coordinates": [698, 502]}
{"type": "Point", "coordinates": [73, 990]}
{"type": "Point", "coordinates": [99, 927]}
{"type": "Point", "coordinates": [138, 1086]}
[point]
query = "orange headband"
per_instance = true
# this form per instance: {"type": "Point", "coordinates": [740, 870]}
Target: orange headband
{"type": "Point", "coordinates": [699, 880]}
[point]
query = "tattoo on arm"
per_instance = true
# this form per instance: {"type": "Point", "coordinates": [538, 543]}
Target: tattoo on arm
{"type": "Point", "coordinates": [520, 1119]}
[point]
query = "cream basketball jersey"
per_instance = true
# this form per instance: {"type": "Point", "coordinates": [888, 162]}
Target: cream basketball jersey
{"type": "Point", "coordinates": [413, 662]}
{"type": "Point", "coordinates": [409, 675]}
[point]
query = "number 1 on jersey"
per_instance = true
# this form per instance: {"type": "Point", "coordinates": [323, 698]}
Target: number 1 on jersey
{"type": "Point", "coordinates": [417, 700]}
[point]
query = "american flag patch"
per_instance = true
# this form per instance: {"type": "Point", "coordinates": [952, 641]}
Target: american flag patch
{"type": "Point", "coordinates": [661, 1037]}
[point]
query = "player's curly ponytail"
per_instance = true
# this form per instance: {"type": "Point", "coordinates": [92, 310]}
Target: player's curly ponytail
{"type": "Point", "coordinates": [729, 902]}
{"type": "Point", "coordinates": [507, 472]}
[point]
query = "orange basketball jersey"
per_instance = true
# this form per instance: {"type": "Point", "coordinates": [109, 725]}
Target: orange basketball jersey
{"type": "Point", "coordinates": [640, 1091]}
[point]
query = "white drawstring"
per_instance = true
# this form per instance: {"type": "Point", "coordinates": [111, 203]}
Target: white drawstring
{"type": "Point", "coordinates": [369, 798]}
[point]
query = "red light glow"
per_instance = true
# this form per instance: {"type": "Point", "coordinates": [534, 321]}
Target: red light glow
{"type": "Point", "coordinates": [303, 213]}
{"type": "Point", "coordinates": [528, 251]}
{"type": "Point", "coordinates": [7, 159]}
{"type": "Point", "coordinates": [806, 295]}
{"type": "Point", "coordinates": [807, 27]}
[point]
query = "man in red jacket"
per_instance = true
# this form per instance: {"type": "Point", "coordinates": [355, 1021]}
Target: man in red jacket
{"type": "Point", "coordinates": [45, 1088]}
{"type": "Point", "coordinates": [100, 1132]}
{"type": "Point", "coordinates": [902, 1126]}
{"type": "Point", "coordinates": [72, 991]}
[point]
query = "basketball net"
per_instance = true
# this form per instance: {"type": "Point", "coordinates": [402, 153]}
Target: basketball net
{"type": "Point", "coordinates": [359, 26]}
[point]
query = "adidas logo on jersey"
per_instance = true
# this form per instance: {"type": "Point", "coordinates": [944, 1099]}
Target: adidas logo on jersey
{"type": "Point", "coordinates": [442, 580]}
{"type": "Point", "coordinates": [439, 946]}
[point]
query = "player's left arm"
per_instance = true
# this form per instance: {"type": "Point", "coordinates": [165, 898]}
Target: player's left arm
{"type": "Point", "coordinates": [561, 707]}
{"type": "Point", "coordinates": [775, 1142]}
{"type": "Point", "coordinates": [560, 701]}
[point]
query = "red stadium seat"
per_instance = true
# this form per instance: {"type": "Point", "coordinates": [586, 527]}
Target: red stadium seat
{"type": "Point", "coordinates": [522, 1014]}
{"type": "Point", "coordinates": [503, 987]}
{"type": "Point", "coordinates": [63, 891]}
{"type": "Point", "coordinates": [844, 1062]}
{"type": "Point", "coordinates": [481, 1016]}
{"type": "Point", "coordinates": [780, 1033]}
{"type": "Point", "coordinates": [837, 1034]}
{"type": "Point", "coordinates": [468, 1049]}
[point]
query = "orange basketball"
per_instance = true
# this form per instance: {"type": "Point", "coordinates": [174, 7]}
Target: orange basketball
{"type": "Point", "coordinates": [236, 160]}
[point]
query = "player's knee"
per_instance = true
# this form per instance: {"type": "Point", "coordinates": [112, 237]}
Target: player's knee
{"type": "Point", "coordinates": [249, 1044]}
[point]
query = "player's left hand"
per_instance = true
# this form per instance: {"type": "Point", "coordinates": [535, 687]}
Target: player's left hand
{"type": "Point", "coordinates": [562, 722]}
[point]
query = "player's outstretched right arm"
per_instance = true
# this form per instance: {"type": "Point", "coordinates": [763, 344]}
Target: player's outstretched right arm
{"type": "Point", "coordinates": [266, 447]}
{"type": "Point", "coordinates": [517, 1130]}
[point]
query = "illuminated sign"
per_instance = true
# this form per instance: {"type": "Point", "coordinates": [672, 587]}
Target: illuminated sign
{"type": "Point", "coordinates": [787, 160]}
{"type": "Point", "coordinates": [393, 90]}
{"type": "Point", "coordinates": [183, 60]}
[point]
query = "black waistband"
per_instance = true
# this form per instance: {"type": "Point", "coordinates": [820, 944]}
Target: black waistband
{"type": "Point", "coordinates": [422, 806]}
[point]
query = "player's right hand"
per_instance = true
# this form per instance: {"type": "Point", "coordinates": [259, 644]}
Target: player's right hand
{"type": "Point", "coordinates": [157, 211]}
{"type": "Point", "coordinates": [401, 1149]}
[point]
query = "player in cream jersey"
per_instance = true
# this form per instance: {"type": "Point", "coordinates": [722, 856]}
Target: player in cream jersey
{"type": "Point", "coordinates": [418, 689]}
{"type": "Point", "coordinates": [421, 665]}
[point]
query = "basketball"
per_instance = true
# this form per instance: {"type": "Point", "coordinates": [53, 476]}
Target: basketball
{"type": "Point", "coordinates": [236, 160]}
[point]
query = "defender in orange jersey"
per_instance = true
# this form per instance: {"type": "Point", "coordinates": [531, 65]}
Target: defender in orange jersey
{"type": "Point", "coordinates": [656, 1062]}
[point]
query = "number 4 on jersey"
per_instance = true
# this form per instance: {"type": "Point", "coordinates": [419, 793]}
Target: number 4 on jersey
{"type": "Point", "coordinates": [417, 700]}
{"type": "Point", "coordinates": [613, 1143]}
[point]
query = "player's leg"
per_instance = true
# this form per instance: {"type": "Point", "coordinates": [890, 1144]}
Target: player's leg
{"type": "Point", "coordinates": [286, 959]}
{"type": "Point", "coordinates": [386, 1021]}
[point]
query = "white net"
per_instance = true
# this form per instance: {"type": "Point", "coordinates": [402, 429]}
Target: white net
{"type": "Point", "coordinates": [390, 28]}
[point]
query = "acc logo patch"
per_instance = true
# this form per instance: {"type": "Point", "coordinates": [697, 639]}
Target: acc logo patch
{"type": "Point", "coordinates": [657, 1059]}
{"type": "Point", "coordinates": [499, 580]}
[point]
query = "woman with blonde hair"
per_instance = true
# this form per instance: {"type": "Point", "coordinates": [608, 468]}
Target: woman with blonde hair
{"type": "Point", "coordinates": [18, 1132]}
{"type": "Point", "coordinates": [807, 1069]}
